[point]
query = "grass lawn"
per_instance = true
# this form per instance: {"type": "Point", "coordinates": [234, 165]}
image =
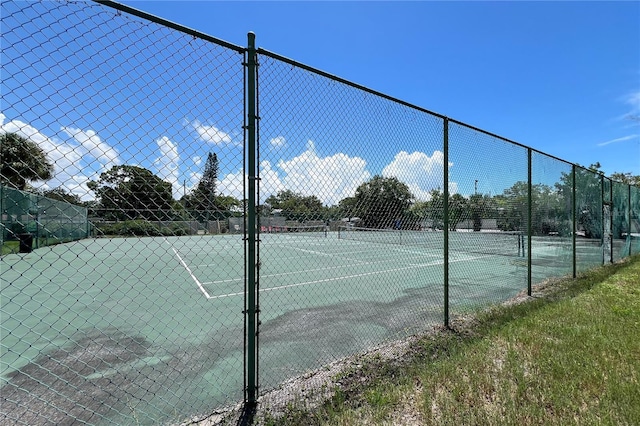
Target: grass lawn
{"type": "Point", "coordinates": [568, 355]}
{"type": "Point", "coordinates": [9, 247]}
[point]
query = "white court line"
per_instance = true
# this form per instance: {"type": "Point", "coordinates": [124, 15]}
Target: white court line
{"type": "Point", "coordinates": [282, 274]}
{"type": "Point", "coordinates": [440, 262]}
{"type": "Point", "coordinates": [340, 255]}
{"type": "Point", "coordinates": [200, 286]}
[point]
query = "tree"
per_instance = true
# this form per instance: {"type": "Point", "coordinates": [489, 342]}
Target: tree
{"type": "Point", "coordinates": [202, 201]}
{"type": "Point", "coordinates": [296, 206]}
{"type": "Point", "coordinates": [458, 210]}
{"type": "Point", "coordinates": [228, 203]}
{"type": "Point", "coordinates": [206, 190]}
{"type": "Point", "coordinates": [588, 190]}
{"type": "Point", "coordinates": [61, 194]}
{"type": "Point", "coordinates": [132, 192]}
{"type": "Point", "coordinates": [482, 207]}
{"type": "Point", "coordinates": [513, 206]}
{"type": "Point", "coordinates": [627, 178]}
{"type": "Point", "coordinates": [548, 210]}
{"type": "Point", "coordinates": [430, 213]}
{"type": "Point", "coordinates": [382, 202]}
{"type": "Point", "coordinates": [22, 161]}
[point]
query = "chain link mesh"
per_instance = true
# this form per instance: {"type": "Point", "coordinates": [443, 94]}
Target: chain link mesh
{"type": "Point", "coordinates": [635, 220]}
{"type": "Point", "coordinates": [487, 218]}
{"type": "Point", "coordinates": [590, 235]}
{"type": "Point", "coordinates": [621, 221]}
{"type": "Point", "coordinates": [121, 326]}
{"type": "Point", "coordinates": [333, 283]}
{"type": "Point", "coordinates": [551, 217]}
{"type": "Point", "coordinates": [124, 238]}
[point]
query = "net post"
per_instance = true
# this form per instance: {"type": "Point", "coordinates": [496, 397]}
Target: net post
{"type": "Point", "coordinates": [251, 348]}
{"type": "Point", "coordinates": [573, 219]}
{"type": "Point", "coordinates": [445, 213]}
{"type": "Point", "coordinates": [529, 224]}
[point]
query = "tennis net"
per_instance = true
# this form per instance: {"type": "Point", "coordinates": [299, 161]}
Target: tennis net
{"type": "Point", "coordinates": [300, 230]}
{"type": "Point", "coordinates": [501, 243]}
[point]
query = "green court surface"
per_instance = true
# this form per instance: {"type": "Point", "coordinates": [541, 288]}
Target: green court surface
{"type": "Point", "coordinates": [159, 321]}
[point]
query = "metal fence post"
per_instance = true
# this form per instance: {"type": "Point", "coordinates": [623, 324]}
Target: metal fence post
{"type": "Point", "coordinates": [573, 218]}
{"type": "Point", "coordinates": [251, 261]}
{"type": "Point", "coordinates": [629, 216]}
{"type": "Point", "coordinates": [445, 213]}
{"type": "Point", "coordinates": [529, 224]}
{"type": "Point", "coordinates": [603, 221]}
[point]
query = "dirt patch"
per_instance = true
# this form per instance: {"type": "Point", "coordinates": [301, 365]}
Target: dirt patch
{"type": "Point", "coordinates": [62, 387]}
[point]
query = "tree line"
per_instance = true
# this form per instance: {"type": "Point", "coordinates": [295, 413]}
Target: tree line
{"type": "Point", "coordinates": [128, 192]}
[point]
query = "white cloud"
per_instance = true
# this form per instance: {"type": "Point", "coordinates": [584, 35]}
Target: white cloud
{"type": "Point", "coordinates": [92, 145]}
{"type": "Point", "coordinates": [632, 115]}
{"type": "Point", "coordinates": [167, 165]}
{"type": "Point", "coordinates": [232, 184]}
{"type": "Point", "coordinates": [329, 178]}
{"type": "Point", "coordinates": [278, 142]}
{"type": "Point", "coordinates": [212, 134]}
{"type": "Point", "coordinates": [72, 159]}
{"type": "Point", "coordinates": [420, 172]}
{"type": "Point", "coordinates": [336, 177]}
{"type": "Point", "coordinates": [633, 100]}
{"type": "Point", "coordinates": [69, 160]}
{"type": "Point", "coordinates": [622, 139]}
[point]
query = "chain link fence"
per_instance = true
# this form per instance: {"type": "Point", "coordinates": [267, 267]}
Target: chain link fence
{"type": "Point", "coordinates": [226, 219]}
{"type": "Point", "coordinates": [32, 221]}
{"type": "Point", "coordinates": [141, 128]}
{"type": "Point", "coordinates": [334, 283]}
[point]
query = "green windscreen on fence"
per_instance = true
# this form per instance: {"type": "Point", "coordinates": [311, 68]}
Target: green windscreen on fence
{"type": "Point", "coordinates": [590, 235]}
{"type": "Point", "coordinates": [620, 221]}
{"type": "Point", "coordinates": [46, 220]}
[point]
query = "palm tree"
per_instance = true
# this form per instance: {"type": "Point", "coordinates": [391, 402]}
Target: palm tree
{"type": "Point", "coordinates": [22, 160]}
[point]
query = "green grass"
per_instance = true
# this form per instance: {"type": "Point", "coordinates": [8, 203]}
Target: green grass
{"type": "Point", "coordinates": [9, 247]}
{"type": "Point", "coordinates": [570, 356]}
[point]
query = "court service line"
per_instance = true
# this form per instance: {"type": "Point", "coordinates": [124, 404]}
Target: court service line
{"type": "Point", "coordinates": [193, 277]}
{"type": "Point", "coordinates": [364, 262]}
{"type": "Point", "coordinates": [282, 274]}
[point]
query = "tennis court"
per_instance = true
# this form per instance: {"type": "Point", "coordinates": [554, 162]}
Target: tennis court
{"type": "Point", "coordinates": [104, 310]}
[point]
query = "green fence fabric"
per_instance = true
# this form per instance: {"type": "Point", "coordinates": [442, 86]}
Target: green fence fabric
{"type": "Point", "coordinates": [46, 220]}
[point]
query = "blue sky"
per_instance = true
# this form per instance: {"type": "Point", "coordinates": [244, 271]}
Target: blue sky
{"type": "Point", "coordinates": [557, 76]}
{"type": "Point", "coordinates": [561, 77]}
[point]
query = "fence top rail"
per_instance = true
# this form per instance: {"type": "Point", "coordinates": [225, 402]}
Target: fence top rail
{"type": "Point", "coordinates": [242, 50]}
{"type": "Point", "coordinates": [391, 98]}
{"type": "Point", "coordinates": [170, 24]}
{"type": "Point", "coordinates": [344, 81]}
